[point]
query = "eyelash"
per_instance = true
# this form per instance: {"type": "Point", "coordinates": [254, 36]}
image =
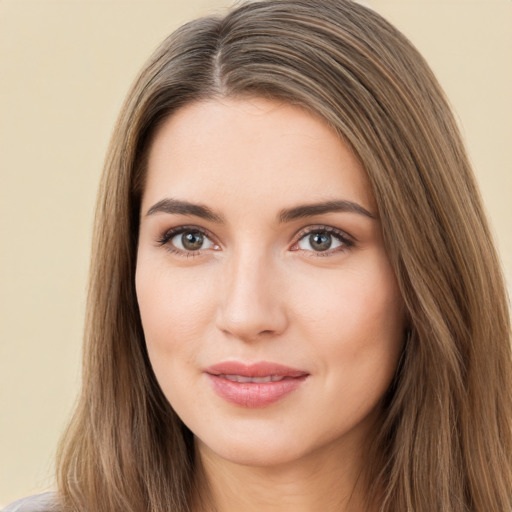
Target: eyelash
{"type": "Point", "coordinates": [346, 241]}
{"type": "Point", "coordinates": [165, 239]}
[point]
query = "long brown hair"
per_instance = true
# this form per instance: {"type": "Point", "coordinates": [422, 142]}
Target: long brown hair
{"type": "Point", "coordinates": [445, 439]}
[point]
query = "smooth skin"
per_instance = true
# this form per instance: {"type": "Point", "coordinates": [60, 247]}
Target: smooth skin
{"type": "Point", "coordinates": [228, 271]}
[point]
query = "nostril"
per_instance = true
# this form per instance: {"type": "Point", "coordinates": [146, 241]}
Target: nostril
{"type": "Point", "coordinates": [248, 307]}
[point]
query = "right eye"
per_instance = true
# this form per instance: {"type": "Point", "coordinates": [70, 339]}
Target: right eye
{"type": "Point", "coordinates": [187, 241]}
{"type": "Point", "coordinates": [191, 241]}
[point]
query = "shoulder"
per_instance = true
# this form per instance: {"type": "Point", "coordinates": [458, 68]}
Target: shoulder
{"type": "Point", "coordinates": [45, 502]}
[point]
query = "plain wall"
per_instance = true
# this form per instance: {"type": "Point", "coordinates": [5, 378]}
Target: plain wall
{"type": "Point", "coordinates": [65, 67]}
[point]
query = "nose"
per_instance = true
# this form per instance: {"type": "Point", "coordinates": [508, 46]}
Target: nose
{"type": "Point", "coordinates": [252, 304]}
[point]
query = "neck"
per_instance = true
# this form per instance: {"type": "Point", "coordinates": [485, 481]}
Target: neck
{"type": "Point", "coordinates": [329, 480]}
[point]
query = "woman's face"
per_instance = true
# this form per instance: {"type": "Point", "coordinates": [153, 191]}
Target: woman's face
{"type": "Point", "coordinates": [271, 314]}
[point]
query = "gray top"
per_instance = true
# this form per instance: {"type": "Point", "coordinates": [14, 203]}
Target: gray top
{"type": "Point", "coordinates": [38, 503]}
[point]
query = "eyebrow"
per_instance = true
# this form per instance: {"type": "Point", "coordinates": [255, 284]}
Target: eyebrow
{"type": "Point", "coordinates": [309, 210]}
{"type": "Point", "coordinates": [175, 206]}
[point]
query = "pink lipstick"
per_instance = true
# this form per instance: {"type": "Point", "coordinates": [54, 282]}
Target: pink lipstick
{"type": "Point", "coordinates": [254, 385]}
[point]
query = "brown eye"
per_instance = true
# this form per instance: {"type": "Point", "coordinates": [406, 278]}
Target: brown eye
{"type": "Point", "coordinates": [320, 241]}
{"type": "Point", "coordinates": [191, 241]}
{"type": "Point", "coordinates": [324, 240]}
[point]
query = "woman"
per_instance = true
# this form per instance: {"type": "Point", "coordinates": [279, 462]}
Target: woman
{"type": "Point", "coordinates": [295, 302]}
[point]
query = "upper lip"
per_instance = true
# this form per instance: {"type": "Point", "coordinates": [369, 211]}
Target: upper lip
{"type": "Point", "coordinates": [257, 369]}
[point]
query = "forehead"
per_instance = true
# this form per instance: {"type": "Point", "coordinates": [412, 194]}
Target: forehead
{"type": "Point", "coordinates": [252, 149]}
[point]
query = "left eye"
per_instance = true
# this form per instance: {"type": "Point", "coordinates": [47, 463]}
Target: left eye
{"type": "Point", "coordinates": [320, 241]}
{"type": "Point", "coordinates": [191, 241]}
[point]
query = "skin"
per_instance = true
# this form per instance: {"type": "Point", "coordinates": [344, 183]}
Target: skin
{"type": "Point", "coordinates": [258, 289]}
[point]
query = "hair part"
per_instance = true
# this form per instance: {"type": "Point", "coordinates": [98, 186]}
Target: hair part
{"type": "Point", "coordinates": [445, 440]}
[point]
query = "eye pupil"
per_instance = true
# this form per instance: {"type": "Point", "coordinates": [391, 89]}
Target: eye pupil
{"type": "Point", "coordinates": [192, 241]}
{"type": "Point", "coordinates": [320, 241]}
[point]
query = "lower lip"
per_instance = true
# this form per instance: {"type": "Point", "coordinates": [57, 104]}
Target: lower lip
{"type": "Point", "coordinates": [254, 394]}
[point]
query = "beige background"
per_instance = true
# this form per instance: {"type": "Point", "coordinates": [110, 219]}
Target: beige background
{"type": "Point", "coordinates": [65, 66]}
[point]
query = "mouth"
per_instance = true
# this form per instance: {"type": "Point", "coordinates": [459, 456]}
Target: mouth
{"type": "Point", "coordinates": [254, 385]}
{"type": "Point", "coordinates": [243, 378]}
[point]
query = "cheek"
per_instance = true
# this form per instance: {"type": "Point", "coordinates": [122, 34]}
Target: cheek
{"type": "Point", "coordinates": [356, 319]}
{"type": "Point", "coordinates": [175, 309]}
{"type": "Point", "coordinates": [360, 336]}
{"type": "Point", "coordinates": [175, 312]}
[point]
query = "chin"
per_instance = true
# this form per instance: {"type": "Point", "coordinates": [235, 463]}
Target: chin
{"type": "Point", "coordinates": [254, 454]}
